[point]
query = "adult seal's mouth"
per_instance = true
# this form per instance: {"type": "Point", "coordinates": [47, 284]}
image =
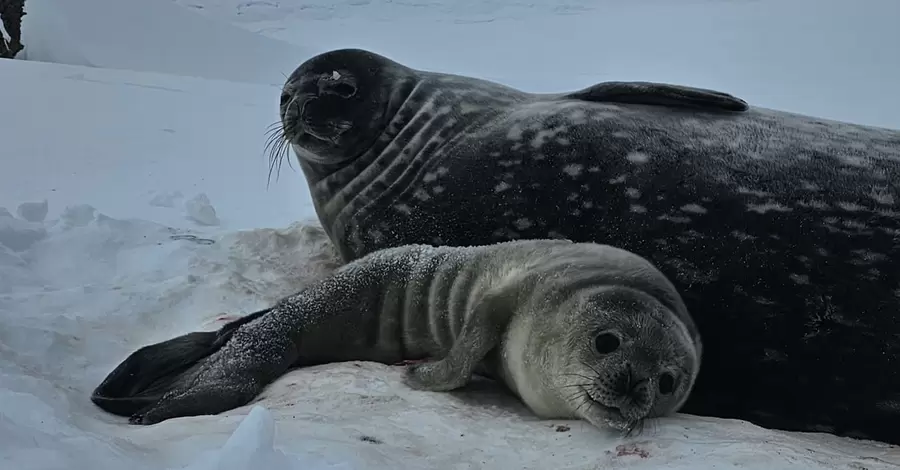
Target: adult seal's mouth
{"type": "Point", "coordinates": [299, 118]}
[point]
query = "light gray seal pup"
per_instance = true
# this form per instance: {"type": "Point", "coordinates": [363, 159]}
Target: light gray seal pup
{"type": "Point", "coordinates": [575, 330]}
{"type": "Point", "coordinates": [781, 231]}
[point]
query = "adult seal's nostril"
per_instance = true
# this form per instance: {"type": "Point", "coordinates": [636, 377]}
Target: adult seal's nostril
{"type": "Point", "coordinates": [337, 84]}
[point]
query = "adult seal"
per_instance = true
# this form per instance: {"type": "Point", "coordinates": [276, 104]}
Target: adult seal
{"type": "Point", "coordinates": [575, 330]}
{"type": "Point", "coordinates": [781, 231]}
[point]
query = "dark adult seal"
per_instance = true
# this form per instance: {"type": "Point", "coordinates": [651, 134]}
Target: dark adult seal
{"type": "Point", "coordinates": [575, 330]}
{"type": "Point", "coordinates": [782, 231]}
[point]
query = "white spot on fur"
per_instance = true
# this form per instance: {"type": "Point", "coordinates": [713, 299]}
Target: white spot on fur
{"type": "Point", "coordinates": [438, 189]}
{"type": "Point", "coordinates": [515, 133]}
{"type": "Point", "coordinates": [850, 206]}
{"type": "Point", "coordinates": [674, 219]}
{"type": "Point", "coordinates": [769, 206]}
{"type": "Point", "coordinates": [637, 157]}
{"type": "Point", "coordinates": [522, 223]}
{"type": "Point", "coordinates": [638, 208]}
{"type": "Point", "coordinates": [752, 192]}
{"type": "Point", "coordinates": [694, 208]}
{"type": "Point", "coordinates": [618, 179]}
{"type": "Point", "coordinates": [881, 196]}
{"type": "Point", "coordinates": [573, 169]}
{"type": "Point", "coordinates": [421, 195]}
{"type": "Point", "coordinates": [742, 236]}
{"type": "Point", "coordinates": [799, 278]}
{"type": "Point", "coordinates": [633, 193]}
{"type": "Point", "coordinates": [403, 208]}
{"type": "Point", "coordinates": [806, 185]}
{"type": "Point", "coordinates": [818, 205]}
{"type": "Point", "coordinates": [854, 160]}
{"type": "Point", "coordinates": [501, 186]}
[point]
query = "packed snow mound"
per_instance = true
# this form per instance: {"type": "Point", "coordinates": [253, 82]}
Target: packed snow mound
{"type": "Point", "coordinates": [84, 290]}
{"type": "Point", "coordinates": [154, 36]}
{"type": "Point", "coordinates": [119, 139]}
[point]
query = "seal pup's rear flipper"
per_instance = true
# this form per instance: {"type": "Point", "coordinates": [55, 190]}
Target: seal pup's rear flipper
{"type": "Point", "coordinates": [147, 374]}
{"type": "Point", "coordinates": [660, 94]}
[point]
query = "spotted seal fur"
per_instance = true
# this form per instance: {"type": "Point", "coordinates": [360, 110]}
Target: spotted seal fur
{"type": "Point", "coordinates": [781, 231]}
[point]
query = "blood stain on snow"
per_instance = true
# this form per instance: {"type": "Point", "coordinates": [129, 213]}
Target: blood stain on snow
{"type": "Point", "coordinates": [623, 450]}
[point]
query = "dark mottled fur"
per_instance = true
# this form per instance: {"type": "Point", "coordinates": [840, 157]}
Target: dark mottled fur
{"type": "Point", "coordinates": [782, 231]}
{"type": "Point", "coordinates": [527, 313]}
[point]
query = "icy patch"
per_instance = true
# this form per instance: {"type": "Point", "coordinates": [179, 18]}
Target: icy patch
{"type": "Point", "coordinates": [77, 215]}
{"type": "Point", "coordinates": [252, 447]}
{"type": "Point", "coordinates": [33, 211]}
{"type": "Point", "coordinates": [166, 199]}
{"type": "Point", "coordinates": [19, 235]}
{"type": "Point", "coordinates": [200, 210]}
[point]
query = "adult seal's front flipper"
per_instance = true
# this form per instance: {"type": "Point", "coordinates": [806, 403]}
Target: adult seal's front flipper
{"type": "Point", "coordinates": [146, 375]}
{"type": "Point", "coordinates": [659, 94]}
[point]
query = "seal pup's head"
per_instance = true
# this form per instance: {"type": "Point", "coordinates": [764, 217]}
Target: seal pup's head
{"type": "Point", "coordinates": [611, 338]}
{"type": "Point", "coordinates": [633, 359]}
{"type": "Point", "coordinates": [334, 105]}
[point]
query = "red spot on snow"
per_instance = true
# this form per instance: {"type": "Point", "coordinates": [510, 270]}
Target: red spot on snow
{"type": "Point", "coordinates": [631, 449]}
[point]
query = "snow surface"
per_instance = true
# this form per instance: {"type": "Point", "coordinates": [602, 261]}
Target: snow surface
{"type": "Point", "coordinates": [134, 207]}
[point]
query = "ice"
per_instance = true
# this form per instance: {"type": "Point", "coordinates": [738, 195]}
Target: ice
{"type": "Point", "coordinates": [200, 210]}
{"type": "Point", "coordinates": [33, 211]}
{"type": "Point", "coordinates": [18, 235]}
{"type": "Point", "coordinates": [135, 165]}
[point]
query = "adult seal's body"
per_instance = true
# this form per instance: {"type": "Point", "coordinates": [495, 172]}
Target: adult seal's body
{"type": "Point", "coordinates": [576, 330]}
{"type": "Point", "coordinates": [781, 231]}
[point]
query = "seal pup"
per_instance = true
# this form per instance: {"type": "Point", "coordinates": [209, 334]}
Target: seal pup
{"type": "Point", "coordinates": [781, 231]}
{"type": "Point", "coordinates": [575, 330]}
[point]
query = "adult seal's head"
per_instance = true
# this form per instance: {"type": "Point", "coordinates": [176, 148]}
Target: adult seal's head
{"type": "Point", "coordinates": [334, 105]}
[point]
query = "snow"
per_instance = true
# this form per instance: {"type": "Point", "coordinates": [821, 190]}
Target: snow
{"type": "Point", "coordinates": [134, 207]}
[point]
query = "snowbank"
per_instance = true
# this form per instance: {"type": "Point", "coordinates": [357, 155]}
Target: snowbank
{"type": "Point", "coordinates": [154, 36]}
{"type": "Point", "coordinates": [117, 139]}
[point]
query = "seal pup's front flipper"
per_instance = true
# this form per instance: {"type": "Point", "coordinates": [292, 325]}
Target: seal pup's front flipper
{"type": "Point", "coordinates": [659, 94]}
{"type": "Point", "coordinates": [480, 334]}
{"type": "Point", "coordinates": [150, 372]}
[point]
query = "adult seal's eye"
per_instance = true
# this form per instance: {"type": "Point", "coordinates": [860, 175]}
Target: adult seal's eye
{"type": "Point", "coordinates": [666, 383]}
{"type": "Point", "coordinates": [606, 342]}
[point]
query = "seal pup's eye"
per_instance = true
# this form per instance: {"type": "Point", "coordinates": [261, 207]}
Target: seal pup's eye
{"type": "Point", "coordinates": [666, 383]}
{"type": "Point", "coordinates": [606, 342]}
{"type": "Point", "coordinates": [285, 99]}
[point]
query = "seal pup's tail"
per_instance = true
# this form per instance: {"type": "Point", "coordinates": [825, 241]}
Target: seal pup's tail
{"type": "Point", "coordinates": [148, 373]}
